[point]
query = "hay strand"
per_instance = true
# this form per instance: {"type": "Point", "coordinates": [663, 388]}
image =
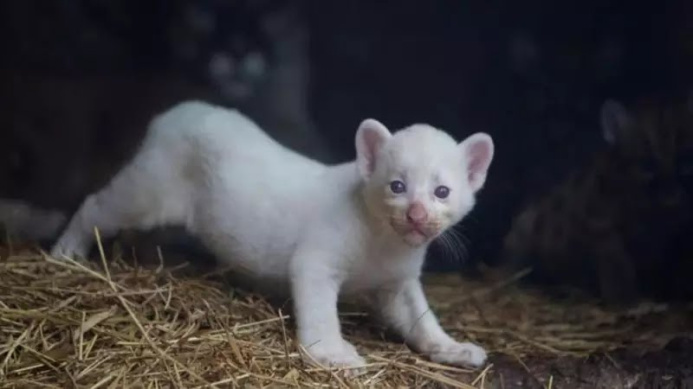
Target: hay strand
{"type": "Point", "coordinates": [69, 324]}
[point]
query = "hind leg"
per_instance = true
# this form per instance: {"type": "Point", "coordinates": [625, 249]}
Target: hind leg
{"type": "Point", "coordinates": [143, 195]}
{"type": "Point", "coordinates": [77, 238]}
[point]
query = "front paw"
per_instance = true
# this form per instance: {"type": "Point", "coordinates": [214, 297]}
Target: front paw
{"type": "Point", "coordinates": [461, 354]}
{"type": "Point", "coordinates": [334, 354]}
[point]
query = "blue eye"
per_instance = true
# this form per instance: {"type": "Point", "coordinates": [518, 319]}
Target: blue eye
{"type": "Point", "coordinates": [397, 187]}
{"type": "Point", "coordinates": [442, 192]}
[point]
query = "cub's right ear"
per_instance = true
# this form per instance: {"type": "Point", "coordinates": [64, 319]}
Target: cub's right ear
{"type": "Point", "coordinates": [615, 120]}
{"type": "Point", "coordinates": [370, 138]}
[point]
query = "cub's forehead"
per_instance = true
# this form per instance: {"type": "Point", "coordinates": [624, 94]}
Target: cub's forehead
{"type": "Point", "coordinates": [422, 146]}
{"type": "Point", "coordinates": [422, 138]}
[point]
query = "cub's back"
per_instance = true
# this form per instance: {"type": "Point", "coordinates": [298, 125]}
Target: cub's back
{"type": "Point", "coordinates": [205, 127]}
{"type": "Point", "coordinates": [250, 193]}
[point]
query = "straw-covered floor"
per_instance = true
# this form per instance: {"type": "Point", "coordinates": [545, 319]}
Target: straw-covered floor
{"type": "Point", "coordinates": [111, 325]}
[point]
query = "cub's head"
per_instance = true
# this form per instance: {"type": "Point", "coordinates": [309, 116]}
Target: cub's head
{"type": "Point", "coordinates": [419, 181]}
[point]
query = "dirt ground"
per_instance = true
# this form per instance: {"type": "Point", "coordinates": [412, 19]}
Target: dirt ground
{"type": "Point", "coordinates": [669, 368]}
{"type": "Point", "coordinates": [651, 346]}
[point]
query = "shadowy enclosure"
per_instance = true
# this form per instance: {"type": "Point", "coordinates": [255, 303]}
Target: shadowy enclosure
{"type": "Point", "coordinates": [572, 270]}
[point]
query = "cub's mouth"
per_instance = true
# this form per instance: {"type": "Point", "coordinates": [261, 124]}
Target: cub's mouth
{"type": "Point", "coordinates": [414, 234]}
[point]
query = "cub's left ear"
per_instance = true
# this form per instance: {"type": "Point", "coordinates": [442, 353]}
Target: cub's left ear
{"type": "Point", "coordinates": [478, 153]}
{"type": "Point", "coordinates": [370, 138]}
{"type": "Point", "coordinates": [615, 121]}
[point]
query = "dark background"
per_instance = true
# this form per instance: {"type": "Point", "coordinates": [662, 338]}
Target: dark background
{"type": "Point", "coordinates": [80, 80]}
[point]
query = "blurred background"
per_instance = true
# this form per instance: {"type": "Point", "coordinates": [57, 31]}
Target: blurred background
{"type": "Point", "coordinates": [81, 79]}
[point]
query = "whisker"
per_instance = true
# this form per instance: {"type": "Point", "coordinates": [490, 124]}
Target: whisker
{"type": "Point", "coordinates": [452, 245]}
{"type": "Point", "coordinates": [442, 241]}
{"type": "Point", "coordinates": [459, 234]}
{"type": "Point", "coordinates": [462, 242]}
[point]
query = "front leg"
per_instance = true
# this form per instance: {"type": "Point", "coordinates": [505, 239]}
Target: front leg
{"type": "Point", "coordinates": [315, 290]}
{"type": "Point", "coordinates": [404, 308]}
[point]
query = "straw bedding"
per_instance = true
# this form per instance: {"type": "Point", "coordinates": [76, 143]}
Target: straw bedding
{"type": "Point", "coordinates": [109, 324]}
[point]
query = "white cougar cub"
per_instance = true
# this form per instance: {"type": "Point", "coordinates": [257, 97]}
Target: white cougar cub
{"type": "Point", "coordinates": [361, 227]}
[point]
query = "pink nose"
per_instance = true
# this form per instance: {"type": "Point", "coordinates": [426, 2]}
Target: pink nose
{"type": "Point", "coordinates": [417, 213]}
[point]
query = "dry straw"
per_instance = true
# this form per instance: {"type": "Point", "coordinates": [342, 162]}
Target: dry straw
{"type": "Point", "coordinates": [65, 324]}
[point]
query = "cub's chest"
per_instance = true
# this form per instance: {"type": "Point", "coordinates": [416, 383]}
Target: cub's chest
{"type": "Point", "coordinates": [381, 271]}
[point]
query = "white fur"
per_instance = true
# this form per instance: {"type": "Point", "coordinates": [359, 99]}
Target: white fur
{"type": "Point", "coordinates": [286, 219]}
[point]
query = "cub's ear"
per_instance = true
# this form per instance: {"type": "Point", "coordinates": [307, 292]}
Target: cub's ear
{"type": "Point", "coordinates": [615, 120]}
{"type": "Point", "coordinates": [478, 154]}
{"type": "Point", "coordinates": [370, 138]}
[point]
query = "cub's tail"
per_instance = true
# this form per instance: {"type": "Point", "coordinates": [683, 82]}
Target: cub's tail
{"type": "Point", "coordinates": [23, 221]}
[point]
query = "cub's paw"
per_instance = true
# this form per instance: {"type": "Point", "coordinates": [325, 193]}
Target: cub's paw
{"type": "Point", "coordinates": [335, 355]}
{"type": "Point", "coordinates": [460, 354]}
{"type": "Point", "coordinates": [70, 247]}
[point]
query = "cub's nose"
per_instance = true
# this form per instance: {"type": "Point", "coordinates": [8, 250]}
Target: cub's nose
{"type": "Point", "coordinates": [417, 213]}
